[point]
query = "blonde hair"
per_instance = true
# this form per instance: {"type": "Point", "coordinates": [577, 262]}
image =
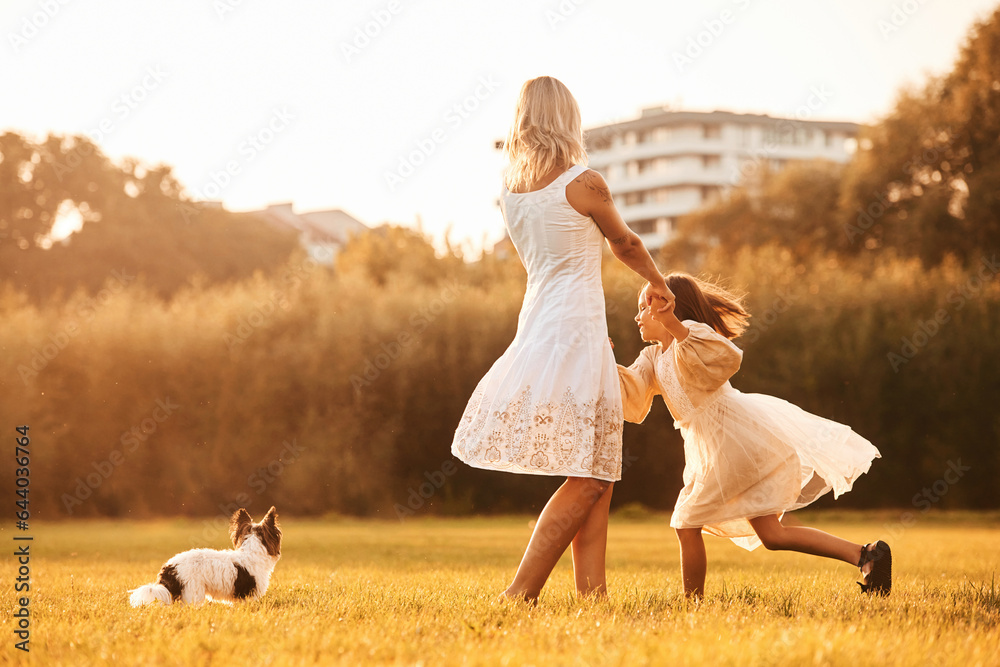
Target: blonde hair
{"type": "Point", "coordinates": [546, 132]}
{"type": "Point", "coordinates": [709, 303]}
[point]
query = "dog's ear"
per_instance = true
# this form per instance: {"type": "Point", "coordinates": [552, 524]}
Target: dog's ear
{"type": "Point", "coordinates": [239, 526]}
{"type": "Point", "coordinates": [271, 518]}
{"type": "Point", "coordinates": [271, 532]}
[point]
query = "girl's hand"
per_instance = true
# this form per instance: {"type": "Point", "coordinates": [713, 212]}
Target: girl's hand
{"type": "Point", "coordinates": [661, 292]}
{"type": "Point", "coordinates": [667, 316]}
{"type": "Point", "coordinates": [611, 343]}
{"type": "Point", "coordinates": [663, 311]}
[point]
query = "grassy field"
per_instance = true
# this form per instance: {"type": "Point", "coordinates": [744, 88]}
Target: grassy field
{"type": "Point", "coordinates": [421, 592]}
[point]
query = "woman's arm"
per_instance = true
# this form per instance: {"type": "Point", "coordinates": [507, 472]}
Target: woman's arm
{"type": "Point", "coordinates": [589, 195]}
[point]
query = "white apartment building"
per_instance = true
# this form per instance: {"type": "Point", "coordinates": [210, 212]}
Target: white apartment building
{"type": "Point", "coordinates": [667, 163]}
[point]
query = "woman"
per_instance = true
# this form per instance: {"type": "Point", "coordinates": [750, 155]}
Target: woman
{"type": "Point", "coordinates": [551, 405]}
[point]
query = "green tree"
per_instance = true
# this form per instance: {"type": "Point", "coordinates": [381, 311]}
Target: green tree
{"type": "Point", "coordinates": [135, 219]}
{"type": "Point", "coordinates": [926, 178]}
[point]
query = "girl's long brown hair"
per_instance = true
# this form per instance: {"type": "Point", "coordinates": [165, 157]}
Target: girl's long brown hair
{"type": "Point", "coordinates": [710, 303]}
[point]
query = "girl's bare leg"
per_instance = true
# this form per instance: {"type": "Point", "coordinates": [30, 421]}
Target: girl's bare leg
{"type": "Point", "coordinates": [590, 546]}
{"type": "Point", "coordinates": [694, 564]}
{"type": "Point", "coordinates": [777, 537]}
{"type": "Point", "coordinates": [567, 510]}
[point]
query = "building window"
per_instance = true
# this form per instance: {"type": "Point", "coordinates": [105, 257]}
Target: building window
{"type": "Point", "coordinates": [661, 134]}
{"type": "Point", "coordinates": [634, 198]}
{"type": "Point", "coordinates": [709, 194]}
{"type": "Point", "coordinates": [632, 168]}
{"type": "Point", "coordinates": [643, 226]}
{"type": "Point", "coordinates": [710, 161]}
{"type": "Point", "coordinates": [788, 134]}
{"type": "Point", "coordinates": [711, 131]}
{"type": "Point", "coordinates": [661, 195]}
{"type": "Point", "coordinates": [665, 226]}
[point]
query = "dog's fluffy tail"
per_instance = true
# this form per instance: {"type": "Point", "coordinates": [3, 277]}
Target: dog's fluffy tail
{"type": "Point", "coordinates": [148, 594]}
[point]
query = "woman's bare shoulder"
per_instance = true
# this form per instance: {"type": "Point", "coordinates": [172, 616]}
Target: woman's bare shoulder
{"type": "Point", "coordinates": [587, 192]}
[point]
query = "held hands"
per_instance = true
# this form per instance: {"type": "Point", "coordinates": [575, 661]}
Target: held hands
{"type": "Point", "coordinates": [663, 312]}
{"type": "Point", "coordinates": [660, 292]}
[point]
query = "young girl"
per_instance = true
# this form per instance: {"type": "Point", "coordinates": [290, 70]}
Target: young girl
{"type": "Point", "coordinates": [550, 405]}
{"type": "Point", "coordinates": [748, 457]}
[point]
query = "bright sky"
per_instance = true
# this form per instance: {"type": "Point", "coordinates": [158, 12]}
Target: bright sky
{"type": "Point", "coordinates": [256, 102]}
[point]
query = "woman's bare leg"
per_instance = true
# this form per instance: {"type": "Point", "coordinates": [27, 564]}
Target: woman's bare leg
{"type": "Point", "coordinates": [590, 547]}
{"type": "Point", "coordinates": [567, 510]}
{"type": "Point", "coordinates": [694, 563]}
{"type": "Point", "coordinates": [777, 537]}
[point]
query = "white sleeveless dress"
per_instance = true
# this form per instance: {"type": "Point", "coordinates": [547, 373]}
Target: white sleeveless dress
{"type": "Point", "coordinates": [551, 404]}
{"type": "Point", "coordinates": [745, 455]}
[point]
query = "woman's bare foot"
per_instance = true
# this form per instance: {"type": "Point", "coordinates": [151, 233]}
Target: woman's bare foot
{"type": "Point", "coordinates": [515, 598]}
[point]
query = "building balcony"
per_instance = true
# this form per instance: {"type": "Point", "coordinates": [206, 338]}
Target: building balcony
{"type": "Point", "coordinates": [652, 180]}
{"type": "Point", "coordinates": [648, 210]}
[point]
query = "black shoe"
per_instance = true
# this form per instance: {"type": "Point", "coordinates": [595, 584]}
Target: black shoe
{"type": "Point", "coordinates": [879, 580]}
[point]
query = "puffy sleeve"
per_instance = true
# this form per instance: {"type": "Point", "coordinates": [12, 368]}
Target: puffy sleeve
{"type": "Point", "coordinates": [705, 359]}
{"type": "Point", "coordinates": [638, 384]}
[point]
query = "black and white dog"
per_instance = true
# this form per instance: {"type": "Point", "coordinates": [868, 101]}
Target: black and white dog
{"type": "Point", "coordinates": [231, 574]}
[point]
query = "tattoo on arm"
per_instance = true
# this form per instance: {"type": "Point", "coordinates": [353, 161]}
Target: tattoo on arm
{"type": "Point", "coordinates": [620, 240]}
{"type": "Point", "coordinates": [589, 181]}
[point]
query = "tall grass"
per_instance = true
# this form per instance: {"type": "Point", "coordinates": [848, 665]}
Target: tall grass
{"type": "Point", "coordinates": [326, 392]}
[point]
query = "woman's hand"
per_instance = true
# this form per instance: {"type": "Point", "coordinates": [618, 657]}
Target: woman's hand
{"type": "Point", "coordinates": [661, 292]}
{"type": "Point", "coordinates": [664, 313]}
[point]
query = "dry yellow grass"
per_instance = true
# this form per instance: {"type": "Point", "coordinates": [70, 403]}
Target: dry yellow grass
{"type": "Point", "coordinates": [420, 592]}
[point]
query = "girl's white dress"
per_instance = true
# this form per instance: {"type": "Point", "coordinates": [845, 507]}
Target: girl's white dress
{"type": "Point", "coordinates": [551, 404]}
{"type": "Point", "coordinates": [746, 455]}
